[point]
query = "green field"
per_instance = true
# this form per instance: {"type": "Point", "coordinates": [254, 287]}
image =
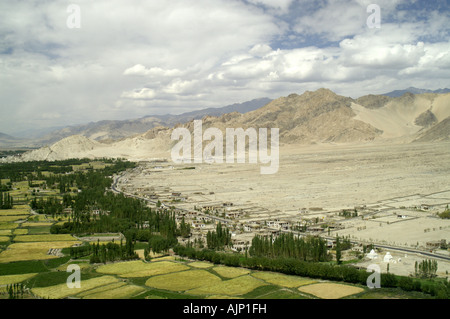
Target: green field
{"type": "Point", "coordinates": [32, 250]}
{"type": "Point", "coordinates": [230, 272]}
{"type": "Point", "coordinates": [13, 279]}
{"type": "Point", "coordinates": [44, 238]}
{"type": "Point", "coordinates": [183, 281]}
{"type": "Point", "coordinates": [141, 269]}
{"type": "Point", "coordinates": [175, 279]}
{"type": "Point", "coordinates": [62, 290]}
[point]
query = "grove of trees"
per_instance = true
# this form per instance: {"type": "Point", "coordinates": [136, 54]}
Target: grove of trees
{"type": "Point", "coordinates": [308, 248]}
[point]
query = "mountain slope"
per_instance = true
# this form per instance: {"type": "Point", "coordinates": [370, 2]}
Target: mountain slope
{"type": "Point", "coordinates": [153, 144]}
{"type": "Point", "coordinates": [8, 141]}
{"type": "Point", "coordinates": [413, 90]}
{"type": "Point", "coordinates": [313, 117]}
{"type": "Point", "coordinates": [439, 132]}
{"type": "Point", "coordinates": [403, 116]}
{"type": "Point", "coordinates": [109, 131]}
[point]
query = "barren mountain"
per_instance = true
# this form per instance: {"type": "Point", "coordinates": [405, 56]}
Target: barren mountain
{"type": "Point", "coordinates": [8, 141]}
{"type": "Point", "coordinates": [313, 117]}
{"type": "Point", "coordinates": [320, 116]}
{"type": "Point", "coordinates": [405, 116]}
{"type": "Point", "coordinates": [153, 144]}
{"type": "Point", "coordinates": [373, 101]}
{"type": "Point", "coordinates": [108, 131]}
{"type": "Point", "coordinates": [76, 146]}
{"type": "Point", "coordinates": [439, 132]}
{"type": "Point", "coordinates": [413, 90]}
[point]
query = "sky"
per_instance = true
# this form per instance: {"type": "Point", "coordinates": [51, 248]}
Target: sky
{"type": "Point", "coordinates": [73, 62]}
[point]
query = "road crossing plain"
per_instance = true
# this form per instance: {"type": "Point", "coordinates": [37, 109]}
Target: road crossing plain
{"type": "Point", "coordinates": [326, 176]}
{"type": "Point", "coordinates": [317, 181]}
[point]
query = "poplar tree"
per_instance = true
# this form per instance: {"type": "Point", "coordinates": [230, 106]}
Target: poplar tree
{"type": "Point", "coordinates": [338, 250]}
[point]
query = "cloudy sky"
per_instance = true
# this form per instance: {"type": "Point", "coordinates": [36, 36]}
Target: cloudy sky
{"type": "Point", "coordinates": [128, 59]}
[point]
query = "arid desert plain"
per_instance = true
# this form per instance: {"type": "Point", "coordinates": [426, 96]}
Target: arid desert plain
{"type": "Point", "coordinates": [397, 190]}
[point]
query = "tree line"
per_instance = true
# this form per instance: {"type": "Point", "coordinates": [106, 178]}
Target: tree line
{"type": "Point", "coordinates": [15, 291]}
{"type": "Point", "coordinates": [307, 248]}
{"type": "Point", "coordinates": [426, 268]}
{"type": "Point", "coordinates": [218, 239]}
{"type": "Point", "coordinates": [6, 201]}
{"type": "Point", "coordinates": [5, 187]}
{"type": "Point", "coordinates": [102, 253]}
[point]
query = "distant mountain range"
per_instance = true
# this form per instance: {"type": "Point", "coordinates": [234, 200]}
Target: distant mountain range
{"type": "Point", "coordinates": [407, 112]}
{"type": "Point", "coordinates": [413, 90]}
{"type": "Point", "coordinates": [8, 140]}
{"type": "Point", "coordinates": [108, 131]}
{"type": "Point", "coordinates": [314, 117]}
{"type": "Point", "coordinates": [4, 136]}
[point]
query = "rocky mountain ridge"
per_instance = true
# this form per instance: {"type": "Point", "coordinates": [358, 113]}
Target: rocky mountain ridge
{"type": "Point", "coordinates": [316, 117]}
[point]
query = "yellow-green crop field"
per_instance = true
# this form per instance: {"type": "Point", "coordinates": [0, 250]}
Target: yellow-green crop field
{"type": "Point", "coordinates": [139, 268]}
{"type": "Point", "coordinates": [38, 218]}
{"type": "Point", "coordinates": [201, 264]}
{"type": "Point", "coordinates": [44, 238]}
{"type": "Point", "coordinates": [50, 192]}
{"type": "Point", "coordinates": [282, 280]}
{"type": "Point", "coordinates": [36, 224]}
{"type": "Point", "coordinates": [32, 251]}
{"type": "Point", "coordinates": [18, 193]}
{"type": "Point", "coordinates": [5, 232]}
{"type": "Point", "coordinates": [140, 253]}
{"type": "Point", "coordinates": [7, 225]}
{"type": "Point", "coordinates": [38, 182]}
{"type": "Point", "coordinates": [14, 279]}
{"type": "Point", "coordinates": [184, 280]}
{"type": "Point", "coordinates": [231, 272]}
{"type": "Point", "coordinates": [164, 279]}
{"type": "Point", "coordinates": [20, 231]}
{"type": "Point", "coordinates": [15, 211]}
{"type": "Point", "coordinates": [62, 291]}
{"type": "Point", "coordinates": [4, 239]}
{"type": "Point", "coordinates": [102, 289]}
{"type": "Point", "coordinates": [121, 292]}
{"type": "Point", "coordinates": [331, 290]}
{"type": "Point", "coordinates": [237, 286]}
{"type": "Point", "coordinates": [22, 206]}
{"type": "Point", "coordinates": [82, 265]}
{"type": "Point", "coordinates": [19, 188]}
{"type": "Point", "coordinates": [171, 258]}
{"type": "Point", "coordinates": [222, 297]}
{"type": "Point", "coordinates": [5, 219]}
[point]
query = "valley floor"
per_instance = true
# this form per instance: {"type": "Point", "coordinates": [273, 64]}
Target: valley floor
{"type": "Point", "coordinates": [397, 189]}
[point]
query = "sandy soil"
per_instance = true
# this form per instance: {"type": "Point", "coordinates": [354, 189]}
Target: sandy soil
{"type": "Point", "coordinates": [403, 264]}
{"type": "Point", "coordinates": [388, 178]}
{"type": "Point", "coordinates": [330, 177]}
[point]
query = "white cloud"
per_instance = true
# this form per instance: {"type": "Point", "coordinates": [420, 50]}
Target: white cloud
{"type": "Point", "coordinates": [142, 94]}
{"type": "Point", "coordinates": [139, 69]}
{"type": "Point", "coordinates": [279, 5]}
{"type": "Point", "coordinates": [135, 58]}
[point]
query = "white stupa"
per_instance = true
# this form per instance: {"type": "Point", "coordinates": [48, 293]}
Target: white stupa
{"type": "Point", "coordinates": [372, 255]}
{"type": "Point", "coordinates": [388, 257]}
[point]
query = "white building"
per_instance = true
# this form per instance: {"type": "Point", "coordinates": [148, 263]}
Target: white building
{"type": "Point", "coordinates": [388, 257]}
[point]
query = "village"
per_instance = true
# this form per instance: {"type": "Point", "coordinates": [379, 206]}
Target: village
{"type": "Point", "coordinates": [409, 222]}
